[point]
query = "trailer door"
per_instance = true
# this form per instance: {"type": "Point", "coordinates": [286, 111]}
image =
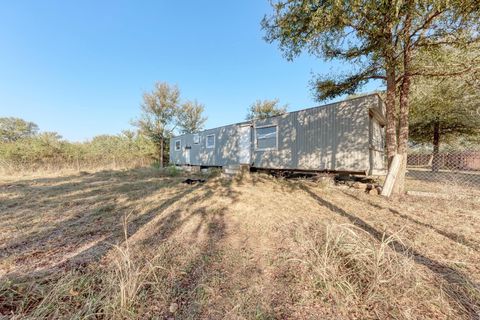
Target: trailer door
{"type": "Point", "coordinates": [186, 154]}
{"type": "Point", "coordinates": [244, 144]}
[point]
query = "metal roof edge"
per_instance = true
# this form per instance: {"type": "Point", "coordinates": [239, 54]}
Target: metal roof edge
{"type": "Point", "coordinates": [280, 115]}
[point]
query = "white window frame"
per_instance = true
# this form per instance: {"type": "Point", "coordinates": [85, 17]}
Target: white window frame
{"type": "Point", "coordinates": [196, 138]}
{"type": "Point", "coordinates": [179, 145]}
{"type": "Point", "coordinates": [206, 141]}
{"type": "Point", "coordinates": [276, 137]}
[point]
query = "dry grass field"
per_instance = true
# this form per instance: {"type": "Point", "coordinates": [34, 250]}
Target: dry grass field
{"type": "Point", "coordinates": [141, 244]}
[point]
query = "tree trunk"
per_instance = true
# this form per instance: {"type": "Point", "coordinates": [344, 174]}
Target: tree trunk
{"type": "Point", "coordinates": [403, 135]}
{"type": "Point", "coordinates": [161, 153]}
{"type": "Point", "coordinates": [403, 132]}
{"type": "Point", "coordinates": [404, 110]}
{"type": "Point", "coordinates": [390, 103]}
{"type": "Point", "coordinates": [404, 104]}
{"type": "Point", "coordinates": [436, 147]}
{"type": "Point", "coordinates": [391, 127]}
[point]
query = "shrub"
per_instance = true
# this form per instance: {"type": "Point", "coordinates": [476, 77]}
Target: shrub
{"type": "Point", "coordinates": [49, 152]}
{"type": "Point", "coordinates": [172, 171]}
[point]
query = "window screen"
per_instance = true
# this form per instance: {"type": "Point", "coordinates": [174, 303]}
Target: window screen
{"type": "Point", "coordinates": [178, 145]}
{"type": "Point", "coordinates": [266, 137]}
{"type": "Point", "coordinates": [196, 139]}
{"type": "Point", "coordinates": [211, 141]}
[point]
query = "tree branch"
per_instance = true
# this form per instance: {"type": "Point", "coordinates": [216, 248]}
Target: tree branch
{"type": "Point", "coordinates": [441, 74]}
{"type": "Point", "coordinates": [427, 21]}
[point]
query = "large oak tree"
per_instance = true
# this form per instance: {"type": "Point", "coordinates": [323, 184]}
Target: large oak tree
{"type": "Point", "coordinates": [380, 39]}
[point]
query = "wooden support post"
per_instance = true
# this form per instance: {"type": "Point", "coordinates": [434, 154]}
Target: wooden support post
{"type": "Point", "coordinates": [392, 175]}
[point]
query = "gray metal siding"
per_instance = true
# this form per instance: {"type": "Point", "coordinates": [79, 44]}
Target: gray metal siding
{"type": "Point", "coordinates": [225, 151]}
{"type": "Point", "coordinates": [177, 157]}
{"type": "Point", "coordinates": [332, 137]}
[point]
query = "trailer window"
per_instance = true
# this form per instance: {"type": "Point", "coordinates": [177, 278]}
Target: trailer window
{"type": "Point", "coordinates": [196, 139]}
{"type": "Point", "coordinates": [266, 137]}
{"type": "Point", "coordinates": [178, 145]}
{"type": "Point", "coordinates": [210, 142]}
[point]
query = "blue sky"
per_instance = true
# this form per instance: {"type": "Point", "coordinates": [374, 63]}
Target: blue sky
{"type": "Point", "coordinates": [80, 67]}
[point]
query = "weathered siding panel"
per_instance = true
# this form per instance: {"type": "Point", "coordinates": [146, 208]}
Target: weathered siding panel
{"type": "Point", "coordinates": [225, 152]}
{"type": "Point", "coordinates": [332, 137]}
{"type": "Point", "coordinates": [351, 141]}
{"type": "Point", "coordinates": [177, 157]}
{"type": "Point", "coordinates": [206, 156]}
{"type": "Point", "coordinates": [337, 137]}
{"type": "Point", "coordinates": [228, 151]}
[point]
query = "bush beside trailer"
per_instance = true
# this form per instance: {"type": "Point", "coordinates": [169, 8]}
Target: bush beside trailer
{"type": "Point", "coordinates": [346, 136]}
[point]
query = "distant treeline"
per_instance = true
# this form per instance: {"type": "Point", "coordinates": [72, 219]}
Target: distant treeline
{"type": "Point", "coordinates": [27, 150]}
{"type": "Point", "coordinates": [163, 113]}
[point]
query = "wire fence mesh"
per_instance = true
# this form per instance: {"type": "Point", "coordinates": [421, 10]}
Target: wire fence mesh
{"type": "Point", "coordinates": [444, 170]}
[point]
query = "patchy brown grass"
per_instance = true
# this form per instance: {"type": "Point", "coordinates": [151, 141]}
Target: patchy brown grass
{"type": "Point", "coordinates": [140, 244]}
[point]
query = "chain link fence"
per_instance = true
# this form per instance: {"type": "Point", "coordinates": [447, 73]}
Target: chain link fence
{"type": "Point", "coordinates": [444, 171]}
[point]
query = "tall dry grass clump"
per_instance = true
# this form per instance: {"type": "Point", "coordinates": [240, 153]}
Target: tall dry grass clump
{"type": "Point", "coordinates": [116, 288]}
{"type": "Point", "coordinates": [363, 277]}
{"type": "Point", "coordinates": [132, 273]}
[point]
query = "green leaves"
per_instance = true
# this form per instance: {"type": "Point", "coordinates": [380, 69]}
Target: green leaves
{"type": "Point", "coordinates": [451, 102]}
{"type": "Point", "coordinates": [190, 117]}
{"type": "Point", "coordinates": [163, 112]}
{"type": "Point", "coordinates": [372, 32]}
{"type": "Point", "coordinates": [262, 109]}
{"type": "Point", "coordinates": [328, 87]}
{"type": "Point", "coordinates": [159, 109]}
{"type": "Point", "coordinates": [13, 129]}
{"type": "Point", "coordinates": [48, 148]}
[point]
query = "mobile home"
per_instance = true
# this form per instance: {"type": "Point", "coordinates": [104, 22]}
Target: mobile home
{"type": "Point", "coordinates": [346, 136]}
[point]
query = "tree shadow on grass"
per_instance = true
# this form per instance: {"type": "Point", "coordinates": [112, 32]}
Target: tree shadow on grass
{"type": "Point", "coordinates": [133, 226]}
{"type": "Point", "coordinates": [85, 254]}
{"type": "Point", "coordinates": [458, 238]}
{"type": "Point", "coordinates": [73, 220]}
{"type": "Point", "coordinates": [187, 290]}
{"type": "Point", "coordinates": [458, 286]}
{"type": "Point", "coordinates": [210, 222]}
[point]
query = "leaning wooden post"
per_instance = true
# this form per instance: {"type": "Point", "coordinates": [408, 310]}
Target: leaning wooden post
{"type": "Point", "coordinates": [392, 175]}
